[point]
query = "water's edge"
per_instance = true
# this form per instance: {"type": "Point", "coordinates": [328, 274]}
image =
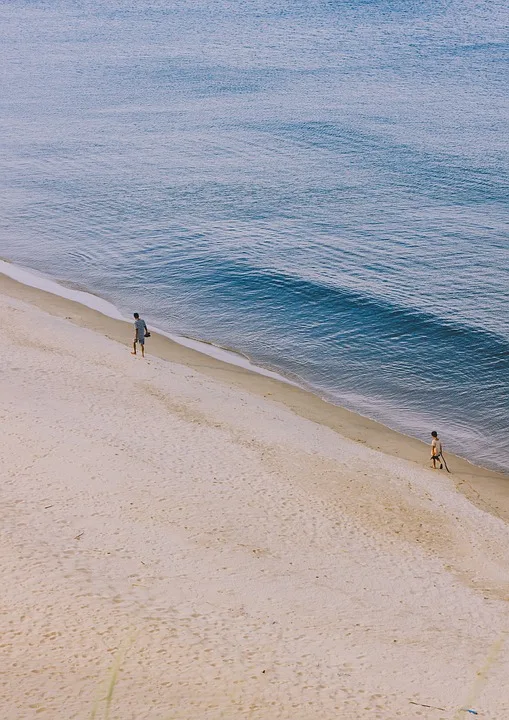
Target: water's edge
{"type": "Point", "coordinates": [32, 278]}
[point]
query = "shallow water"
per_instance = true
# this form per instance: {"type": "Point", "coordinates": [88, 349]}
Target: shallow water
{"type": "Point", "coordinates": [323, 186]}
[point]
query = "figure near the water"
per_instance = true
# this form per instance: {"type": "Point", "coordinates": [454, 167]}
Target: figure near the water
{"type": "Point", "coordinates": [140, 333]}
{"type": "Point", "coordinates": [436, 450]}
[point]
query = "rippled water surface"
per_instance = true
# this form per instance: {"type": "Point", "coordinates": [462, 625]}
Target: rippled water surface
{"type": "Point", "coordinates": [321, 185]}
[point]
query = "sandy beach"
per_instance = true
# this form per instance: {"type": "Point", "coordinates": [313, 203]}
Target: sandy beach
{"type": "Point", "coordinates": [183, 539]}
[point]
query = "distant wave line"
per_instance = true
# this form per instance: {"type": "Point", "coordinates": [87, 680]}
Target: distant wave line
{"type": "Point", "coordinates": [273, 283]}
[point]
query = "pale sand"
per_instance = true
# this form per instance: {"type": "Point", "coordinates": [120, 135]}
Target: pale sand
{"type": "Point", "coordinates": [232, 552]}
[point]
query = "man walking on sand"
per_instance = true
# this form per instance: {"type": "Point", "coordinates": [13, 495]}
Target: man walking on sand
{"type": "Point", "coordinates": [436, 450]}
{"type": "Point", "coordinates": [140, 332]}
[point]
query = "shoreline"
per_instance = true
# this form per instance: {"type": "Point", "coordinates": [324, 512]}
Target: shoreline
{"type": "Point", "coordinates": [31, 278]}
{"type": "Point", "coordinates": [488, 489]}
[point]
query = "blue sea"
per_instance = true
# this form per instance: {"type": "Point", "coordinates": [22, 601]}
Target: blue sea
{"type": "Point", "coordinates": [322, 185]}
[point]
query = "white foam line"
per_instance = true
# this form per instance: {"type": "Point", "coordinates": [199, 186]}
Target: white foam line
{"type": "Point", "coordinates": [36, 280]}
{"type": "Point", "coordinates": [227, 356]}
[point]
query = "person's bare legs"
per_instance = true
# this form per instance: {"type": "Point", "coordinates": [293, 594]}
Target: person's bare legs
{"type": "Point", "coordinates": [142, 345]}
{"type": "Point", "coordinates": [435, 459]}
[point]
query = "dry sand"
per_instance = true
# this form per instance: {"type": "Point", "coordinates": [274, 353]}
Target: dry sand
{"type": "Point", "coordinates": [211, 535]}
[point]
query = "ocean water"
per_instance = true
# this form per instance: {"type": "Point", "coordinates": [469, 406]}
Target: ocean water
{"type": "Point", "coordinates": [321, 185]}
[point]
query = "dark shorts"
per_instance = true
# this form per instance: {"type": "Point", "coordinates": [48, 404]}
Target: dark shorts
{"type": "Point", "coordinates": [141, 340]}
